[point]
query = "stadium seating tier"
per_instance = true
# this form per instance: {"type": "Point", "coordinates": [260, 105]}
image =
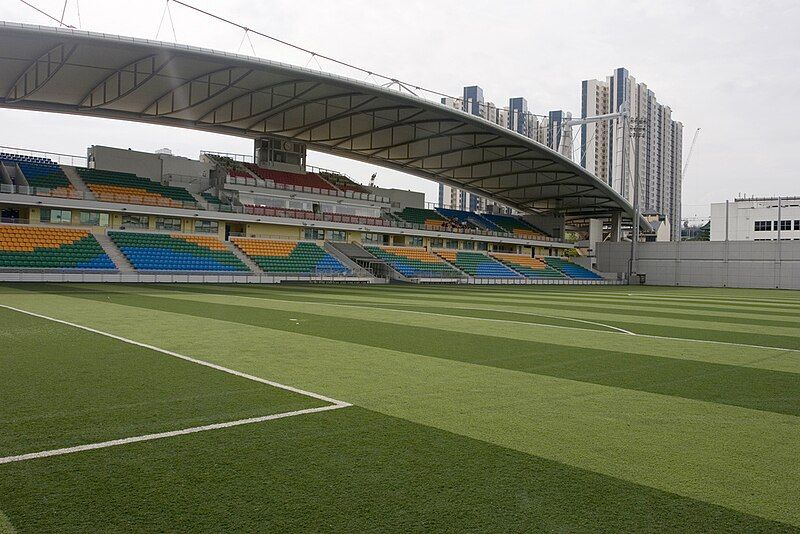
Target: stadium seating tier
{"type": "Point", "coordinates": [477, 264]}
{"type": "Point", "coordinates": [175, 252]}
{"type": "Point", "coordinates": [34, 247]}
{"type": "Point", "coordinates": [421, 216]}
{"type": "Point", "coordinates": [413, 262]}
{"type": "Point", "coordinates": [529, 267]}
{"type": "Point", "coordinates": [572, 270]}
{"type": "Point", "coordinates": [115, 186]}
{"type": "Point", "coordinates": [293, 257]}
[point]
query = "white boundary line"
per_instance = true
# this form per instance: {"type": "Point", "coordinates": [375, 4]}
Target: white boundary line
{"type": "Point", "coordinates": [334, 404]}
{"type": "Point", "coordinates": [160, 435]}
{"type": "Point", "coordinates": [182, 357]}
{"type": "Point", "coordinates": [617, 329]}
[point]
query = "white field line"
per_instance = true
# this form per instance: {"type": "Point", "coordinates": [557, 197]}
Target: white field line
{"type": "Point", "coordinates": [618, 330]}
{"type": "Point", "coordinates": [334, 404]}
{"type": "Point", "coordinates": [182, 357]}
{"type": "Point", "coordinates": [169, 434]}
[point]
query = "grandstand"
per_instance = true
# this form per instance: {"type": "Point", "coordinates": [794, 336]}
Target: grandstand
{"type": "Point", "coordinates": [176, 242]}
{"type": "Point", "coordinates": [513, 225]}
{"type": "Point", "coordinates": [529, 267]}
{"type": "Point", "coordinates": [35, 247]}
{"type": "Point", "coordinates": [571, 269]}
{"type": "Point", "coordinates": [477, 264]}
{"type": "Point", "coordinates": [414, 262]}
{"type": "Point", "coordinates": [281, 257]}
{"type": "Point", "coordinates": [125, 187]}
{"type": "Point", "coordinates": [175, 252]}
{"type": "Point", "coordinates": [421, 216]}
{"type": "Point", "coordinates": [40, 173]}
{"type": "Point", "coordinates": [267, 216]}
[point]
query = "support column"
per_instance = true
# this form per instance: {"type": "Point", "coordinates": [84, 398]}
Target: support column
{"type": "Point", "coordinates": [616, 226]}
{"type": "Point", "coordinates": [595, 237]}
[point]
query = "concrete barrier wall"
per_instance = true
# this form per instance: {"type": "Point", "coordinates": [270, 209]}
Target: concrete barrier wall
{"type": "Point", "coordinates": [755, 264]}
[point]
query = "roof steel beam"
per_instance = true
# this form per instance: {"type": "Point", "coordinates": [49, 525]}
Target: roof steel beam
{"type": "Point", "coordinates": [125, 81]}
{"type": "Point", "coordinates": [40, 71]}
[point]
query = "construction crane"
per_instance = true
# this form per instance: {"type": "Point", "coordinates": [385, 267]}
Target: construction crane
{"type": "Point", "coordinates": [689, 155]}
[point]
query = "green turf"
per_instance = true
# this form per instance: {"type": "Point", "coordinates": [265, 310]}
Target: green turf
{"type": "Point", "coordinates": [63, 387]}
{"type": "Point", "coordinates": [473, 412]}
{"type": "Point", "coordinates": [752, 388]}
{"type": "Point", "coordinates": [346, 471]}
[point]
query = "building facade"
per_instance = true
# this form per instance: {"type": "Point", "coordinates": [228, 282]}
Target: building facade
{"type": "Point", "coordinates": [660, 153]}
{"type": "Point", "coordinates": [756, 219]}
{"type": "Point", "coordinates": [548, 130]}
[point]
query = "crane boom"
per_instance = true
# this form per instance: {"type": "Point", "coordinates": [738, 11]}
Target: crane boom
{"type": "Point", "coordinates": [689, 155]}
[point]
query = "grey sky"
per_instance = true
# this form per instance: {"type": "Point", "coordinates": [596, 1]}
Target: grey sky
{"type": "Point", "coordinates": [730, 67]}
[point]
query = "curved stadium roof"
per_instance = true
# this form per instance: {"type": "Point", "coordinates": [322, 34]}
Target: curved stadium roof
{"type": "Point", "coordinates": [77, 72]}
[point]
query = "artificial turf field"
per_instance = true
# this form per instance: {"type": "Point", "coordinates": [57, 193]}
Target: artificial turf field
{"type": "Point", "coordinates": [494, 409]}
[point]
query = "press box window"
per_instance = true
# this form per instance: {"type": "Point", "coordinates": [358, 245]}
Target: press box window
{"type": "Point", "coordinates": [90, 218]}
{"type": "Point", "coordinates": [206, 227]}
{"type": "Point", "coordinates": [168, 223]}
{"type": "Point", "coordinates": [55, 216]}
{"type": "Point", "coordinates": [337, 235]}
{"type": "Point", "coordinates": [314, 233]}
{"type": "Point", "coordinates": [136, 221]}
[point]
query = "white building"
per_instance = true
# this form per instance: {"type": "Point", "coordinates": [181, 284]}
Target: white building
{"type": "Point", "coordinates": [660, 150]}
{"type": "Point", "coordinates": [756, 219]}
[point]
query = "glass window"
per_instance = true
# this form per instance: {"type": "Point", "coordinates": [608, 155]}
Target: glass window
{"type": "Point", "coordinates": [415, 241]}
{"type": "Point", "coordinates": [437, 243]}
{"type": "Point", "coordinates": [786, 225]}
{"type": "Point", "coordinates": [797, 225]}
{"type": "Point", "coordinates": [91, 218]}
{"type": "Point", "coordinates": [206, 227]}
{"type": "Point", "coordinates": [480, 245]}
{"type": "Point", "coordinates": [55, 216]}
{"type": "Point", "coordinates": [451, 243]}
{"type": "Point", "coordinates": [314, 233]}
{"type": "Point", "coordinates": [337, 235]}
{"type": "Point", "coordinates": [468, 245]}
{"type": "Point", "coordinates": [372, 238]}
{"type": "Point", "coordinates": [168, 223]}
{"type": "Point", "coordinates": [763, 226]}
{"type": "Point", "coordinates": [135, 221]}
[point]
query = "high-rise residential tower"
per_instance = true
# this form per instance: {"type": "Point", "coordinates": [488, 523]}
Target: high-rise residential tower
{"type": "Point", "coordinates": [516, 117]}
{"type": "Point", "coordinates": [660, 153]}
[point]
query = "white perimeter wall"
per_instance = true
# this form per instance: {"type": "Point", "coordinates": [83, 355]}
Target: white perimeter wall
{"type": "Point", "coordinates": [756, 264]}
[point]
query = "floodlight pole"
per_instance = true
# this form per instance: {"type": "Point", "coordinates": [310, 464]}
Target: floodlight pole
{"type": "Point", "coordinates": [637, 131]}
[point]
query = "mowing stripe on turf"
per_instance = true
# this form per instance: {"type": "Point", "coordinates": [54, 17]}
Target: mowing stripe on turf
{"type": "Point", "coordinates": [341, 404]}
{"type": "Point", "coordinates": [169, 434]}
{"type": "Point", "coordinates": [616, 330]}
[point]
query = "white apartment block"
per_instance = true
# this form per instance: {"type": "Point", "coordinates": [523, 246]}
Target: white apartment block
{"type": "Point", "coordinates": [756, 219]}
{"type": "Point", "coordinates": [660, 150]}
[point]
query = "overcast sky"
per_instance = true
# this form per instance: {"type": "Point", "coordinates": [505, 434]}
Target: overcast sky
{"type": "Point", "coordinates": [729, 67]}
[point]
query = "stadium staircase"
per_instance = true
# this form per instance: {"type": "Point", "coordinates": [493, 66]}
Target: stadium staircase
{"type": "Point", "coordinates": [244, 258]}
{"type": "Point", "coordinates": [375, 266]}
{"type": "Point", "coordinates": [111, 250]}
{"type": "Point", "coordinates": [75, 179]}
{"type": "Point", "coordinates": [415, 263]}
{"type": "Point", "coordinates": [344, 259]}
